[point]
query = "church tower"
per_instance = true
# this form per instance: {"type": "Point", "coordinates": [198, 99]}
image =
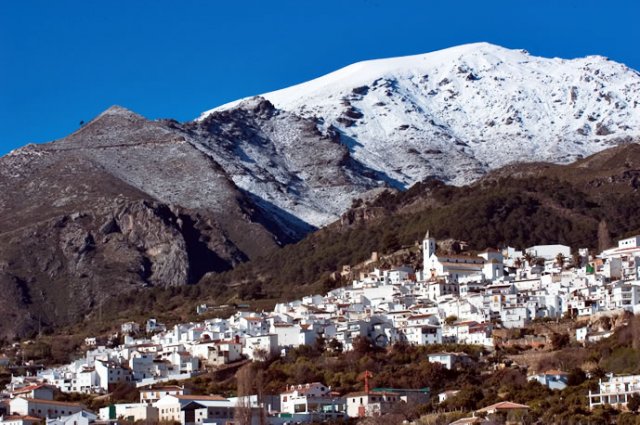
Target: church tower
{"type": "Point", "coordinates": [428, 249]}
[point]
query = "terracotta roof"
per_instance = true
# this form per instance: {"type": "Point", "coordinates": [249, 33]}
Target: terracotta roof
{"type": "Point", "coordinates": [252, 318]}
{"type": "Point", "coordinates": [419, 316]}
{"type": "Point", "coordinates": [58, 403]}
{"type": "Point", "coordinates": [25, 418]}
{"type": "Point", "coordinates": [461, 257]}
{"type": "Point", "coordinates": [504, 405]}
{"type": "Point", "coordinates": [200, 397]}
{"type": "Point", "coordinates": [461, 266]}
{"type": "Point", "coordinates": [555, 372]}
{"type": "Point", "coordinates": [227, 341]}
{"type": "Point", "coordinates": [31, 388]}
{"type": "Point", "coordinates": [466, 323]}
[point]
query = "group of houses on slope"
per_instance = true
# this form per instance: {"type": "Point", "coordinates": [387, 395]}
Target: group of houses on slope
{"type": "Point", "coordinates": [452, 299]}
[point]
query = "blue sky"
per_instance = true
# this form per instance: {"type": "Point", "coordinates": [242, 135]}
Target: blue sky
{"type": "Point", "coordinates": [66, 61]}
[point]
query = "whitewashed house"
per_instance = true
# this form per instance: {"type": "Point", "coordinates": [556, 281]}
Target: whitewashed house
{"type": "Point", "coordinates": [83, 417]}
{"type": "Point", "coordinates": [42, 408]}
{"type": "Point", "coordinates": [109, 374]}
{"type": "Point", "coordinates": [615, 391]}
{"type": "Point", "coordinates": [261, 346]}
{"type": "Point", "coordinates": [423, 334]}
{"type": "Point", "coordinates": [306, 398]}
{"type": "Point", "coordinates": [449, 360]}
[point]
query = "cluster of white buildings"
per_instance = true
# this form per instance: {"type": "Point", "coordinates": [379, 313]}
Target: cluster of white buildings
{"type": "Point", "coordinates": [302, 403]}
{"type": "Point", "coordinates": [454, 298]}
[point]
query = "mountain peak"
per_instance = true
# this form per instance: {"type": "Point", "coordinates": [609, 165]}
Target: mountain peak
{"type": "Point", "coordinates": [120, 111]}
{"type": "Point", "coordinates": [474, 107]}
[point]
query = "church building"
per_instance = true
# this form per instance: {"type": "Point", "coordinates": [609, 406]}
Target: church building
{"type": "Point", "coordinates": [488, 265]}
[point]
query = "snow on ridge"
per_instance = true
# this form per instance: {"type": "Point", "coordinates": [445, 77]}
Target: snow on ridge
{"type": "Point", "coordinates": [364, 72]}
{"type": "Point", "coordinates": [460, 112]}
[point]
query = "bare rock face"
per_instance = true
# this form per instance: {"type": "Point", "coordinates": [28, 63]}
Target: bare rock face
{"type": "Point", "coordinates": [361, 215]}
{"type": "Point", "coordinates": [122, 203]}
{"type": "Point", "coordinates": [285, 161]}
{"type": "Point", "coordinates": [57, 270]}
{"type": "Point", "coordinates": [155, 232]}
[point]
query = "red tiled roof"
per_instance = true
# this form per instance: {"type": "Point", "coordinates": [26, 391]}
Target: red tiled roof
{"type": "Point", "coordinates": [419, 316]}
{"type": "Point", "coordinates": [200, 397]}
{"type": "Point", "coordinates": [58, 403]}
{"type": "Point", "coordinates": [30, 388]}
{"type": "Point", "coordinates": [461, 257]}
{"type": "Point", "coordinates": [504, 405]}
{"type": "Point", "coordinates": [555, 372]}
{"type": "Point", "coordinates": [24, 418]}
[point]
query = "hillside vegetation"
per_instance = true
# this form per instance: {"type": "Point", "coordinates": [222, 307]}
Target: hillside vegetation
{"type": "Point", "coordinates": [585, 204]}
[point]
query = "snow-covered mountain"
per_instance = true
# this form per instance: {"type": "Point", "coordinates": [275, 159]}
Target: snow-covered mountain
{"type": "Point", "coordinates": [459, 112]}
{"type": "Point", "coordinates": [125, 202]}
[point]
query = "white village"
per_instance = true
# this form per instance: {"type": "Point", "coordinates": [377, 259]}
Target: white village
{"type": "Point", "coordinates": [453, 299]}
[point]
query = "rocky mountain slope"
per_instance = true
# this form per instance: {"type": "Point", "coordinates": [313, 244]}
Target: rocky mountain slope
{"type": "Point", "coordinates": [460, 112]}
{"type": "Point", "coordinates": [285, 161]}
{"type": "Point", "coordinates": [125, 203]}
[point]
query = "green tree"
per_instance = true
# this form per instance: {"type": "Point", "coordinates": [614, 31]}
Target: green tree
{"type": "Point", "coordinates": [335, 346]}
{"type": "Point", "coordinates": [390, 242]}
{"type": "Point", "coordinates": [320, 344]}
{"type": "Point", "coordinates": [363, 345]}
{"type": "Point", "coordinates": [576, 376]}
{"type": "Point", "coordinates": [559, 340]}
{"type": "Point", "coordinates": [633, 403]}
{"type": "Point", "coordinates": [468, 398]}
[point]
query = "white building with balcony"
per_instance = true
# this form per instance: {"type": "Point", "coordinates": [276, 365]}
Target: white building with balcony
{"type": "Point", "coordinates": [615, 392]}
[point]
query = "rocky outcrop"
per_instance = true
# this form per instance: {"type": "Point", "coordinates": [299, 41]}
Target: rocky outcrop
{"type": "Point", "coordinates": [123, 203]}
{"type": "Point", "coordinates": [54, 271]}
